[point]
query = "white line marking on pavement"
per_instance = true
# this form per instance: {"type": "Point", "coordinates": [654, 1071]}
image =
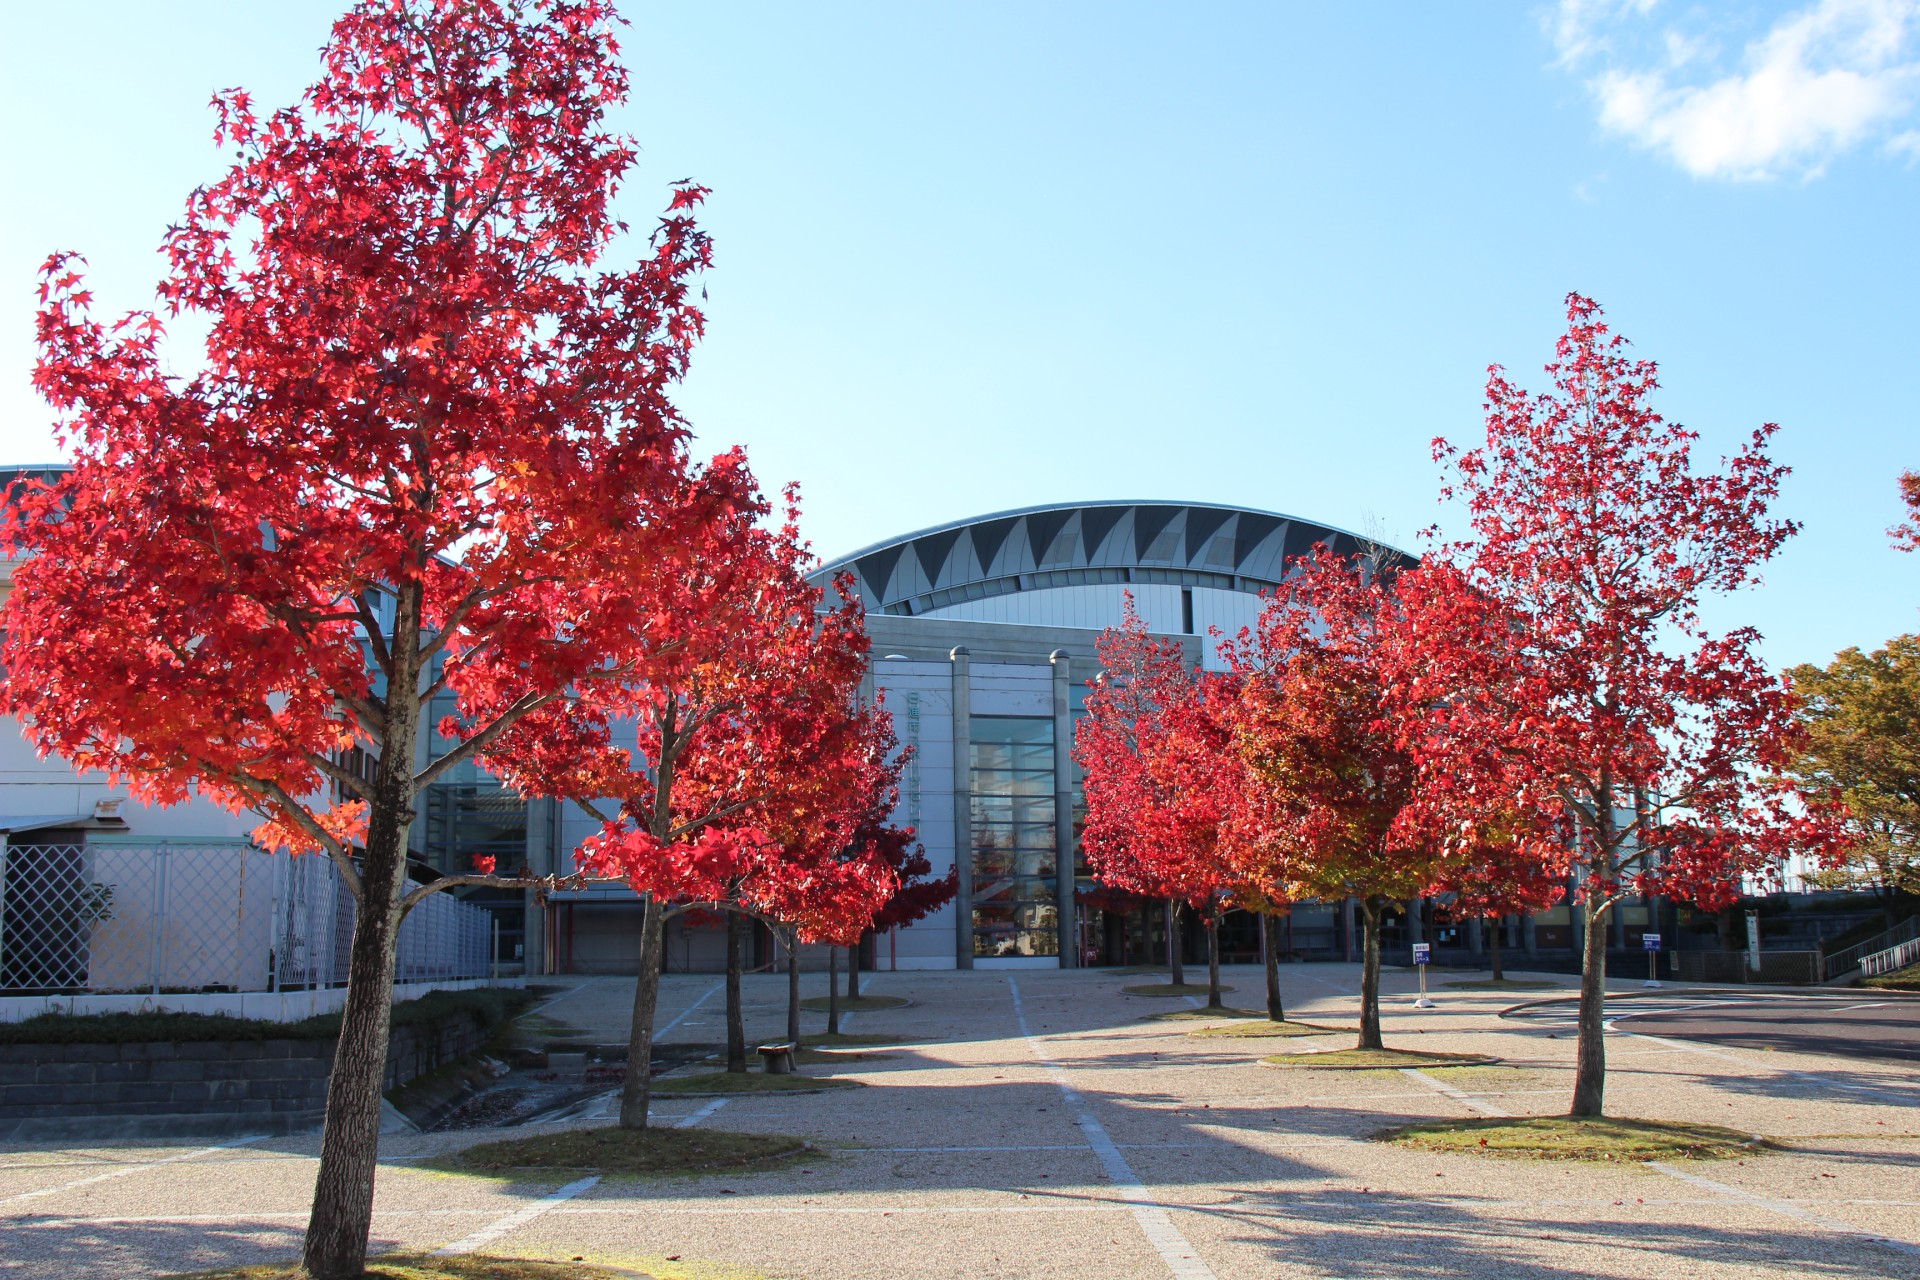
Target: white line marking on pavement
{"type": "Point", "coordinates": [1783, 1207]}
{"type": "Point", "coordinates": [1465, 1100]}
{"type": "Point", "coordinates": [1180, 1256]}
{"type": "Point", "coordinates": [687, 1122]}
{"type": "Point", "coordinates": [519, 1218]}
{"type": "Point", "coordinates": [124, 1170]}
{"type": "Point", "coordinates": [684, 1013]}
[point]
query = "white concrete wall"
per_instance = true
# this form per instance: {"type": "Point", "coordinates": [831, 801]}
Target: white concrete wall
{"type": "Point", "coordinates": [272, 1006]}
{"type": "Point", "coordinates": [920, 697]}
{"type": "Point", "coordinates": [32, 787]}
{"type": "Point", "coordinates": [1094, 607]}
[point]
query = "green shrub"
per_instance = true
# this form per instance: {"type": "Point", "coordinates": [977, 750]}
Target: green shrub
{"type": "Point", "coordinates": [491, 1006]}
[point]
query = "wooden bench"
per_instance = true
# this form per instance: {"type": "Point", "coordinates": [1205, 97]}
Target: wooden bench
{"type": "Point", "coordinates": [777, 1058]}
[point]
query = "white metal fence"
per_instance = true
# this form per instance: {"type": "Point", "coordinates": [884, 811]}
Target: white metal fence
{"type": "Point", "coordinates": [1892, 959]}
{"type": "Point", "coordinates": [212, 917]}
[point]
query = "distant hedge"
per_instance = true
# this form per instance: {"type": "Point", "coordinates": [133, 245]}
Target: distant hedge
{"type": "Point", "coordinates": [492, 1005]}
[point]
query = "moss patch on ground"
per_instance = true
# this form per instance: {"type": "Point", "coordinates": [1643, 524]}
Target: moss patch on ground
{"type": "Point", "coordinates": [415, 1267]}
{"type": "Point", "coordinates": [716, 1083]}
{"type": "Point", "coordinates": [1907, 979]}
{"type": "Point", "coordinates": [859, 1004]}
{"type": "Point", "coordinates": [1504, 984]}
{"type": "Point", "coordinates": [1160, 990]}
{"type": "Point", "coordinates": [617, 1150]}
{"type": "Point", "coordinates": [1204, 1013]}
{"type": "Point", "coordinates": [1568, 1138]}
{"type": "Point", "coordinates": [1264, 1029]}
{"type": "Point", "coordinates": [1373, 1059]}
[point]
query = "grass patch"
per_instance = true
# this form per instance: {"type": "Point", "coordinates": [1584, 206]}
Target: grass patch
{"type": "Point", "coordinates": [713, 1083]}
{"type": "Point", "coordinates": [490, 1005]}
{"type": "Point", "coordinates": [859, 1004]}
{"type": "Point", "coordinates": [1374, 1059]}
{"type": "Point", "coordinates": [617, 1150]}
{"type": "Point", "coordinates": [1567, 1138]}
{"type": "Point", "coordinates": [1907, 979]}
{"type": "Point", "coordinates": [400, 1266]}
{"type": "Point", "coordinates": [1202, 1014]}
{"type": "Point", "coordinates": [1504, 984]}
{"type": "Point", "coordinates": [1164, 989]}
{"type": "Point", "coordinates": [1265, 1029]}
{"type": "Point", "coordinates": [1137, 970]}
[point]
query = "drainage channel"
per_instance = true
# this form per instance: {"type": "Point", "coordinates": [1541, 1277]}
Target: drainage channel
{"type": "Point", "coordinates": [543, 1094]}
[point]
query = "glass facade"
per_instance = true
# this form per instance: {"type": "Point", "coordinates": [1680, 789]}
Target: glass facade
{"type": "Point", "coordinates": [1015, 837]}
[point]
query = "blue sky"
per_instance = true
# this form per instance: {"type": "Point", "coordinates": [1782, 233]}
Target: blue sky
{"type": "Point", "coordinates": [975, 256]}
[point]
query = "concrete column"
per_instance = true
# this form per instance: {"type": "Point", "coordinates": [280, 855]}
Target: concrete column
{"type": "Point", "coordinates": [1474, 940]}
{"type": "Point", "coordinates": [1528, 942]}
{"type": "Point", "coordinates": [963, 806]}
{"type": "Point", "coordinates": [1063, 809]}
{"type": "Point", "coordinates": [544, 858]}
{"type": "Point", "coordinates": [1346, 928]}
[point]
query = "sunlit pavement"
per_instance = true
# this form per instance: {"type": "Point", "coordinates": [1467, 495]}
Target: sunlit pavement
{"type": "Point", "coordinates": [1036, 1127]}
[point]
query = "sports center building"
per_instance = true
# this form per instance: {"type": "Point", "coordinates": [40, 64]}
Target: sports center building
{"type": "Point", "coordinates": [984, 634]}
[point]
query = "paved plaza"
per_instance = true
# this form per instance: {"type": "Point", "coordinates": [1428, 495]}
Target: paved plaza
{"type": "Point", "coordinates": [1036, 1126]}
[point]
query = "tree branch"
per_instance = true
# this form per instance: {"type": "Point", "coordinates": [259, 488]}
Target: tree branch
{"type": "Point", "coordinates": [548, 884]}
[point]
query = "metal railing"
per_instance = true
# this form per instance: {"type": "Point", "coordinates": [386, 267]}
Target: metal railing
{"type": "Point", "coordinates": [1892, 959]}
{"type": "Point", "coordinates": [97, 918]}
{"type": "Point", "coordinates": [1854, 957]}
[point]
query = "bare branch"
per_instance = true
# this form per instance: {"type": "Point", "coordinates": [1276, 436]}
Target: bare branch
{"type": "Point", "coordinates": [522, 707]}
{"type": "Point", "coordinates": [547, 884]}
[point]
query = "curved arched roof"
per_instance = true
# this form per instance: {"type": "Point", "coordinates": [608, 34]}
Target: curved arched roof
{"type": "Point", "coordinates": [1074, 543]}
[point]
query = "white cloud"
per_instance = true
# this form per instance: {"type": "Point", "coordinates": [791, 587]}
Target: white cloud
{"type": "Point", "coordinates": [1820, 81]}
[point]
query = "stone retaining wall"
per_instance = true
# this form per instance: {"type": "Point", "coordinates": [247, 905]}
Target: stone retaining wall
{"type": "Point", "coordinates": [162, 1089]}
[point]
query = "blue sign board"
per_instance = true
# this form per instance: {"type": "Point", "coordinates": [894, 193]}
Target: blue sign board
{"type": "Point", "coordinates": [1650, 941]}
{"type": "Point", "coordinates": [1422, 952]}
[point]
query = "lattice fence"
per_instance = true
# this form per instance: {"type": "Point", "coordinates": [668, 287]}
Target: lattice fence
{"type": "Point", "coordinates": [216, 917]}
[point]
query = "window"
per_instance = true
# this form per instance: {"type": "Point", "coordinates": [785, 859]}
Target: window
{"type": "Point", "coordinates": [1015, 837]}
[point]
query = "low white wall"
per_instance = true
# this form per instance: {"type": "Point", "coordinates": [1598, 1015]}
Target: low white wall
{"type": "Point", "coordinates": [272, 1006]}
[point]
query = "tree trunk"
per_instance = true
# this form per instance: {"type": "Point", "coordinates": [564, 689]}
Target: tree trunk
{"type": "Point", "coordinates": [833, 991]}
{"type": "Point", "coordinates": [1270, 934]}
{"type": "Point", "coordinates": [1213, 958]}
{"type": "Point", "coordinates": [1175, 960]}
{"type": "Point", "coordinates": [853, 973]}
{"type": "Point", "coordinates": [1590, 1069]}
{"type": "Point", "coordinates": [736, 1021]}
{"type": "Point", "coordinates": [793, 987]}
{"type": "Point", "coordinates": [342, 1212]}
{"type": "Point", "coordinates": [1499, 974]}
{"type": "Point", "coordinates": [1370, 973]}
{"type": "Point", "coordinates": [634, 1094]}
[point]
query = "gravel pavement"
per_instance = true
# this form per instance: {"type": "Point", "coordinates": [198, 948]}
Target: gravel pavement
{"type": "Point", "coordinates": [1037, 1127]}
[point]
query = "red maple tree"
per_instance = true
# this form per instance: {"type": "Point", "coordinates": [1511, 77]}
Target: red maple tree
{"type": "Point", "coordinates": [430, 453]}
{"type": "Point", "coordinates": [1156, 753]}
{"type": "Point", "coordinates": [1647, 737]}
{"type": "Point", "coordinates": [754, 762]}
{"type": "Point", "coordinates": [1331, 793]}
{"type": "Point", "coordinates": [1906, 534]}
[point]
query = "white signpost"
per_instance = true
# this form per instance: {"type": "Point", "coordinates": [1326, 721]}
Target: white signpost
{"type": "Point", "coordinates": [1422, 953]}
{"type": "Point", "coordinates": [1651, 941]}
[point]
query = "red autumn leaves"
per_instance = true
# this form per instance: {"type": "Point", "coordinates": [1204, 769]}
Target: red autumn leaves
{"type": "Point", "coordinates": [1536, 705]}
